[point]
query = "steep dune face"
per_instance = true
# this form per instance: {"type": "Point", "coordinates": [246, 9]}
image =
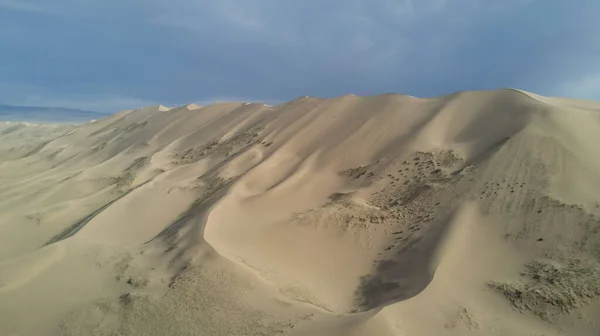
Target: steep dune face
{"type": "Point", "coordinates": [476, 213]}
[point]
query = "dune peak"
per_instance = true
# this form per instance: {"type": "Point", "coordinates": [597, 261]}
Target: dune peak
{"type": "Point", "coordinates": [192, 107]}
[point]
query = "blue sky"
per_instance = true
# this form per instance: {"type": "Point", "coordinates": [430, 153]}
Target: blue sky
{"type": "Point", "coordinates": [107, 55]}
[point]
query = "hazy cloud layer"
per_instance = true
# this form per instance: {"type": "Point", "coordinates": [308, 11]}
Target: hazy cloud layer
{"type": "Point", "coordinates": [110, 55]}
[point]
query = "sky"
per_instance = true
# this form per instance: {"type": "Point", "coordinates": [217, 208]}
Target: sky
{"type": "Point", "coordinates": [109, 55]}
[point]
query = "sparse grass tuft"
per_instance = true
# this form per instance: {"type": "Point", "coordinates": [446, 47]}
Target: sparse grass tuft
{"type": "Point", "coordinates": [549, 290]}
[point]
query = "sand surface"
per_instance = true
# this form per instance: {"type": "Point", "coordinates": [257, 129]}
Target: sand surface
{"type": "Point", "coordinates": [476, 213]}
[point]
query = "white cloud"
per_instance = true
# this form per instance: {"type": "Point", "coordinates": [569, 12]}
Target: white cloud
{"type": "Point", "coordinates": [362, 42]}
{"type": "Point", "coordinates": [437, 6]}
{"type": "Point", "coordinates": [224, 99]}
{"type": "Point", "coordinates": [194, 15]}
{"type": "Point", "coordinates": [30, 95]}
{"type": "Point", "coordinates": [341, 33]}
{"type": "Point", "coordinates": [21, 5]}
{"type": "Point", "coordinates": [242, 14]}
{"type": "Point", "coordinates": [400, 8]}
{"type": "Point", "coordinates": [109, 103]}
{"type": "Point", "coordinates": [36, 96]}
{"type": "Point", "coordinates": [586, 87]}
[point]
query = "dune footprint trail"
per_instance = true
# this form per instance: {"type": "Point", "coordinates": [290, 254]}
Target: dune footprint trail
{"type": "Point", "coordinates": [476, 213]}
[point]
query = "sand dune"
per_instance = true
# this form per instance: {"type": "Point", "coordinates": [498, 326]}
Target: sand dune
{"type": "Point", "coordinates": [476, 213]}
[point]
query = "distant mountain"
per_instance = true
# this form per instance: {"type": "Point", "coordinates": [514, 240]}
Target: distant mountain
{"type": "Point", "coordinates": [38, 114]}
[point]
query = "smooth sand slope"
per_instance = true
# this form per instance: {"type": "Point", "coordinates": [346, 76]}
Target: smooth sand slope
{"type": "Point", "coordinates": [476, 213]}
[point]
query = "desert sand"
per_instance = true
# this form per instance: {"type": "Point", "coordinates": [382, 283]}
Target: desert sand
{"type": "Point", "coordinates": [476, 213]}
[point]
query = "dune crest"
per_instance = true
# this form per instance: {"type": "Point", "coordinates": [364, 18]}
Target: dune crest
{"type": "Point", "coordinates": [475, 213]}
{"type": "Point", "coordinates": [192, 107]}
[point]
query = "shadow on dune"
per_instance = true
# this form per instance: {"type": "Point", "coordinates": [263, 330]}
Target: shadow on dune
{"type": "Point", "coordinates": [405, 274]}
{"type": "Point", "coordinates": [73, 229]}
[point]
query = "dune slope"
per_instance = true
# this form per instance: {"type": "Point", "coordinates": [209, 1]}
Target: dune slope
{"type": "Point", "coordinates": [476, 213]}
